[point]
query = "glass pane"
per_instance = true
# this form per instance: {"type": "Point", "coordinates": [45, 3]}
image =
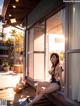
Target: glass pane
{"type": "Point", "coordinates": [74, 75]}
{"type": "Point", "coordinates": [56, 42]}
{"type": "Point", "coordinates": [39, 37]}
{"type": "Point", "coordinates": [56, 38]}
{"type": "Point", "coordinates": [31, 34]}
{"type": "Point", "coordinates": [39, 66]}
{"type": "Point", "coordinates": [31, 65]}
{"type": "Point", "coordinates": [75, 27]}
{"type": "Point", "coordinates": [55, 34]}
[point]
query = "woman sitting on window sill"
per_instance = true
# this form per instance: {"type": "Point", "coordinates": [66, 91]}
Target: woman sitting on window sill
{"type": "Point", "coordinates": [56, 79]}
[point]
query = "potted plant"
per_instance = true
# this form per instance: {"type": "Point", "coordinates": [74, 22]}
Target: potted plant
{"type": "Point", "coordinates": [5, 67]}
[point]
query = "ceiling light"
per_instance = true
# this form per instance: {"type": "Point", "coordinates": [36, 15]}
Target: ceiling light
{"type": "Point", "coordinates": [14, 6]}
{"type": "Point", "coordinates": [17, 0]}
{"type": "Point", "coordinates": [13, 20]}
{"type": "Point", "coordinates": [10, 15]}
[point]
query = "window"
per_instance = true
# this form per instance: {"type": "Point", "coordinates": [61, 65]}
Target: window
{"type": "Point", "coordinates": [55, 39]}
{"type": "Point", "coordinates": [30, 53]}
{"type": "Point", "coordinates": [73, 52]}
{"type": "Point", "coordinates": [36, 51]}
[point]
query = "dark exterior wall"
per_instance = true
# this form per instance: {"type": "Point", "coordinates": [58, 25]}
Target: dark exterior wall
{"type": "Point", "coordinates": [42, 9]}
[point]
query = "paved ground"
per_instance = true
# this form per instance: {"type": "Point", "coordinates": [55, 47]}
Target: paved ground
{"type": "Point", "coordinates": [27, 92]}
{"type": "Point", "coordinates": [8, 81]}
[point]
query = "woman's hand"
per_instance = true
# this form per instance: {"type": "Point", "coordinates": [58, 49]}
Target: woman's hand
{"type": "Point", "coordinates": [51, 71]}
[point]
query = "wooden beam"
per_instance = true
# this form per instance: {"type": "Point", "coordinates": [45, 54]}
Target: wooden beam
{"type": "Point", "coordinates": [5, 6]}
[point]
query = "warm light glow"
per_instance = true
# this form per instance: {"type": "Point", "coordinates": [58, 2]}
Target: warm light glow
{"type": "Point", "coordinates": [13, 20]}
{"type": "Point", "coordinates": [14, 80]}
{"type": "Point", "coordinates": [9, 81]}
{"type": "Point", "coordinates": [14, 6]}
{"type": "Point", "coordinates": [11, 93]}
{"type": "Point", "coordinates": [43, 88]}
{"type": "Point", "coordinates": [56, 42]}
{"type": "Point", "coordinates": [7, 31]}
{"type": "Point", "coordinates": [10, 15]}
{"type": "Point", "coordinates": [17, 0]}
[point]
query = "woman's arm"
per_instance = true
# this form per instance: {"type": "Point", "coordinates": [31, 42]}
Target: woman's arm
{"type": "Point", "coordinates": [60, 75]}
{"type": "Point", "coordinates": [51, 71]}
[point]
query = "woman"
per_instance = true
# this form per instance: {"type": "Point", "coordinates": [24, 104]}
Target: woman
{"type": "Point", "coordinates": [56, 79]}
{"type": "Point", "coordinates": [56, 70]}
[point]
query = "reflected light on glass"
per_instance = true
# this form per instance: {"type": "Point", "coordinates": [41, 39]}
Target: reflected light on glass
{"type": "Point", "coordinates": [73, 9]}
{"type": "Point", "coordinates": [56, 42]}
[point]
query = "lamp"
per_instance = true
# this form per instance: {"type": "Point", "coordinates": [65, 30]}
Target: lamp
{"type": "Point", "coordinates": [14, 6]}
{"type": "Point", "coordinates": [13, 20]}
{"type": "Point", "coordinates": [10, 15]}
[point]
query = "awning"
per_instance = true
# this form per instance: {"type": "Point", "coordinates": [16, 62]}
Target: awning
{"type": "Point", "coordinates": [18, 10]}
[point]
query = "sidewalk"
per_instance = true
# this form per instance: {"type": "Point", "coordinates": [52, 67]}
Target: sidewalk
{"type": "Point", "coordinates": [26, 92]}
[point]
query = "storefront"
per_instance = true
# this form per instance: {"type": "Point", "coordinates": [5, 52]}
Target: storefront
{"type": "Point", "coordinates": [57, 33]}
{"type": "Point", "coordinates": [44, 38]}
{"type": "Point", "coordinates": [53, 26]}
{"type": "Point", "coordinates": [72, 49]}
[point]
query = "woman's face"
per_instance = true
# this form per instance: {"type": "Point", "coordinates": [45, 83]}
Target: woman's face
{"type": "Point", "coordinates": [53, 59]}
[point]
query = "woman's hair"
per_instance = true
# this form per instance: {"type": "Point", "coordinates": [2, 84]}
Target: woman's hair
{"type": "Point", "coordinates": [57, 56]}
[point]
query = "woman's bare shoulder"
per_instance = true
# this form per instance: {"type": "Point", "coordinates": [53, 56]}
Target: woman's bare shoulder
{"type": "Point", "coordinates": [59, 67]}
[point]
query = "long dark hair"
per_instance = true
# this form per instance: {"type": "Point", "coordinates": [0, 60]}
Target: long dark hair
{"type": "Point", "coordinates": [57, 56]}
{"type": "Point", "coordinates": [54, 65]}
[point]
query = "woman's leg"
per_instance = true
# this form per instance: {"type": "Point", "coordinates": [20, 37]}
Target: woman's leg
{"type": "Point", "coordinates": [41, 87]}
{"type": "Point", "coordinates": [52, 88]}
{"type": "Point", "coordinates": [38, 97]}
